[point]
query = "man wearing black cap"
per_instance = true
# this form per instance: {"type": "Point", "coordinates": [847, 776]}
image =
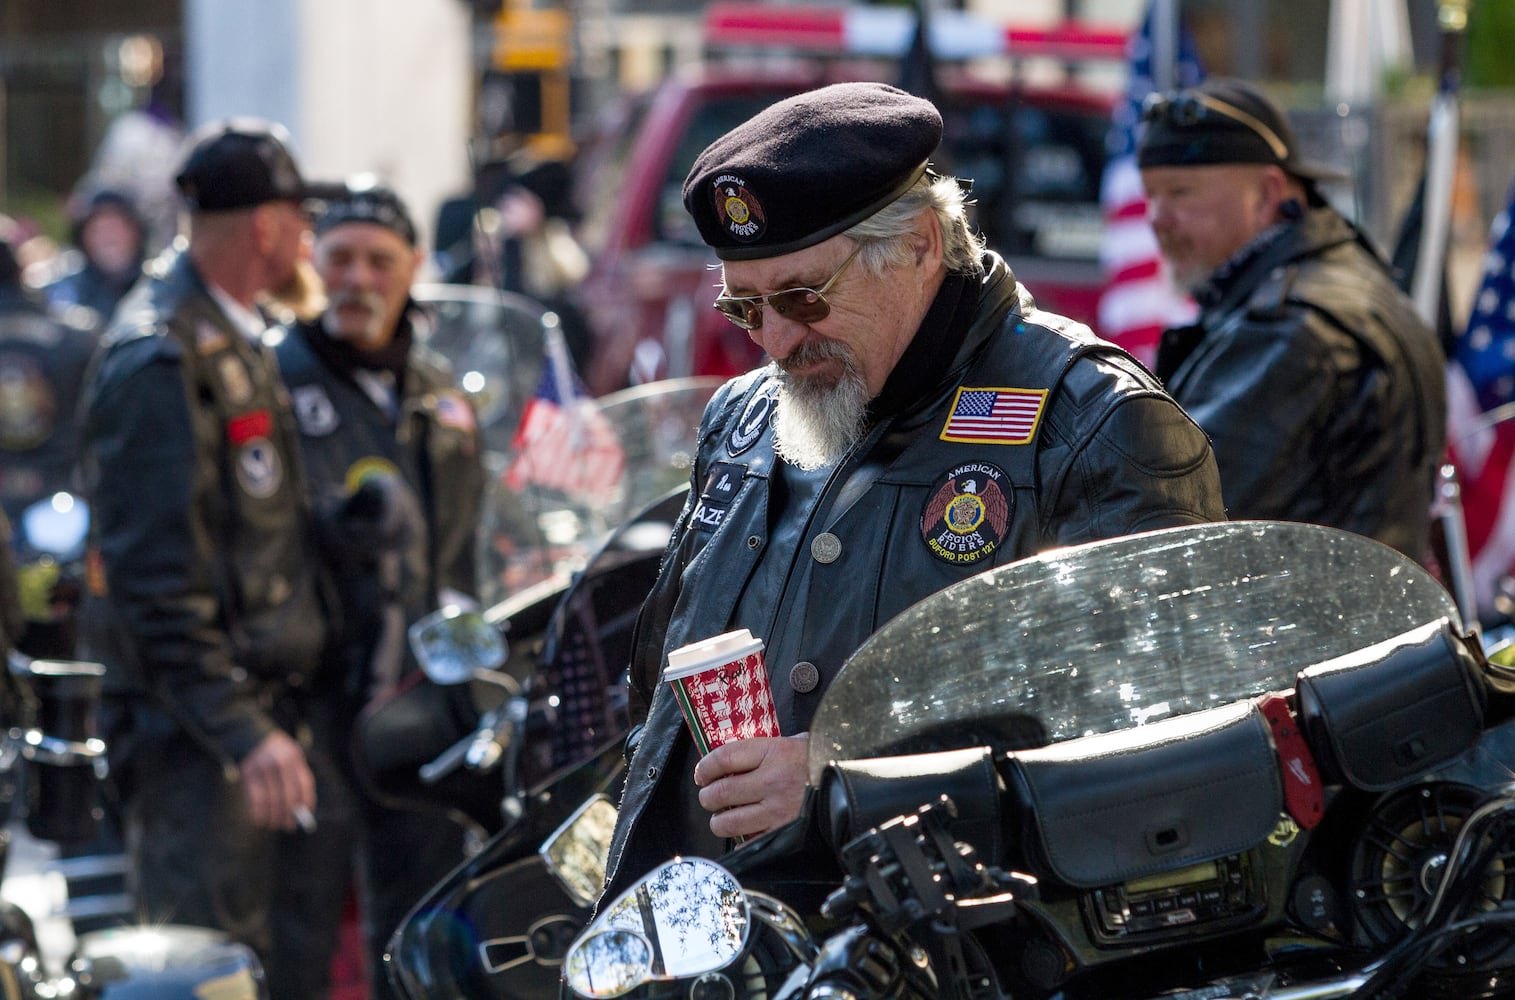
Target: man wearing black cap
{"type": "Point", "coordinates": [1321, 389]}
{"type": "Point", "coordinates": [203, 528]}
{"type": "Point", "coordinates": [393, 457]}
{"type": "Point", "coordinates": [920, 421]}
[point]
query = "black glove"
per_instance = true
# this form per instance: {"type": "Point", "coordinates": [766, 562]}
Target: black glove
{"type": "Point", "coordinates": [378, 518]}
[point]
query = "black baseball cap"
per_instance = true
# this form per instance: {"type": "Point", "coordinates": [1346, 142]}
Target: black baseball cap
{"type": "Point", "coordinates": [363, 200]}
{"type": "Point", "coordinates": [242, 163]}
{"type": "Point", "coordinates": [809, 167]}
{"type": "Point", "coordinates": [1222, 121]}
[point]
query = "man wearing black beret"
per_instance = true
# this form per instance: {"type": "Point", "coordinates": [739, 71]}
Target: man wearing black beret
{"type": "Point", "coordinates": [920, 421]}
{"type": "Point", "coordinates": [392, 454]}
{"type": "Point", "coordinates": [1320, 387]}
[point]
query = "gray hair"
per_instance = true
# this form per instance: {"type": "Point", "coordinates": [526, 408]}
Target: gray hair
{"type": "Point", "coordinates": [883, 234]}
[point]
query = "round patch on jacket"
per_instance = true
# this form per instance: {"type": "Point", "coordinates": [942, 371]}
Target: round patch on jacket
{"type": "Point", "coordinates": [314, 410]}
{"type": "Point", "coordinates": [754, 420]}
{"type": "Point", "coordinates": [740, 212]}
{"type": "Point", "coordinates": [965, 518]}
{"type": "Point", "coordinates": [28, 408]}
{"type": "Point", "coordinates": [259, 469]}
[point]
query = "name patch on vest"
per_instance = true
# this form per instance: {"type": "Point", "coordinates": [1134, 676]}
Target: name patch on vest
{"type": "Point", "coordinates": [721, 487]}
{"type": "Point", "coordinates": [965, 518]}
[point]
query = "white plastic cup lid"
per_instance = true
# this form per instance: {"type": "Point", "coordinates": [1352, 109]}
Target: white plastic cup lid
{"type": "Point", "coordinates": [696, 656]}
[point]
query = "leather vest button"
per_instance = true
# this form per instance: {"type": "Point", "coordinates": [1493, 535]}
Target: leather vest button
{"type": "Point", "coordinates": [826, 548]}
{"type": "Point", "coordinates": [753, 541]}
{"type": "Point", "coordinates": [804, 677]}
{"type": "Point", "coordinates": [652, 774]}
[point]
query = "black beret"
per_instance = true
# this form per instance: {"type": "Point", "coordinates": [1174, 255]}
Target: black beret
{"type": "Point", "coordinates": [1221, 121]}
{"type": "Point", "coordinates": [365, 201]}
{"type": "Point", "coordinates": [241, 163]}
{"type": "Point", "coordinates": [809, 167]}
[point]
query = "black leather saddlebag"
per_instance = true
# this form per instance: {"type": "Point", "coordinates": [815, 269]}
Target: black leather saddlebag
{"type": "Point", "coordinates": [1382, 716]}
{"type": "Point", "coordinates": [1105, 809]}
{"type": "Point", "coordinates": [860, 794]}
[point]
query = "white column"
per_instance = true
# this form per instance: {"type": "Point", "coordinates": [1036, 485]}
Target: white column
{"type": "Point", "coordinates": [379, 86]}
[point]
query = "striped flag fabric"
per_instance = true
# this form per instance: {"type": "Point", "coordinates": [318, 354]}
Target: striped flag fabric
{"type": "Point", "coordinates": [564, 442]}
{"type": "Point", "coordinates": [1481, 414]}
{"type": "Point", "coordinates": [994, 416]}
{"type": "Point", "coordinates": [1138, 300]}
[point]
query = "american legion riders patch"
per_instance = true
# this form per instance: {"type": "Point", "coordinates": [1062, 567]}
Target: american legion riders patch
{"type": "Point", "coordinates": [994, 416]}
{"type": "Point", "coordinates": [965, 519]}
{"type": "Point", "coordinates": [738, 208]}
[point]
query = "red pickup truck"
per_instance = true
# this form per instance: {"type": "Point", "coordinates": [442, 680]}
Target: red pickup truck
{"type": "Point", "coordinates": [1035, 155]}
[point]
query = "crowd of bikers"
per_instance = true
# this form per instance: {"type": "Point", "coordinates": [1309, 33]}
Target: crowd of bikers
{"type": "Point", "coordinates": [279, 481]}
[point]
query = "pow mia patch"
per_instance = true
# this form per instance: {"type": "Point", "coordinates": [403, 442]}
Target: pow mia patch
{"type": "Point", "coordinates": [754, 421]}
{"type": "Point", "coordinates": [721, 487]}
{"type": "Point", "coordinates": [314, 411]}
{"type": "Point", "coordinates": [259, 469]}
{"type": "Point", "coordinates": [965, 519]}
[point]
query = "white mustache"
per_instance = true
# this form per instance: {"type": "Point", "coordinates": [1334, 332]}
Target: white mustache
{"type": "Point", "coordinates": [372, 301]}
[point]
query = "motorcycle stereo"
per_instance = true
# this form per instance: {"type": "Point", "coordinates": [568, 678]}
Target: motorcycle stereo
{"type": "Point", "coordinates": [1214, 895]}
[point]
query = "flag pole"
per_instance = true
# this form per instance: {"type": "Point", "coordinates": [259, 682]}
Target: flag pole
{"type": "Point", "coordinates": [1442, 137]}
{"type": "Point", "coordinates": [1164, 45]}
{"type": "Point", "coordinates": [1428, 282]}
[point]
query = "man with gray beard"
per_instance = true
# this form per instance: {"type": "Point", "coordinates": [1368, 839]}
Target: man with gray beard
{"type": "Point", "coordinates": [394, 462]}
{"type": "Point", "coordinates": [920, 421]}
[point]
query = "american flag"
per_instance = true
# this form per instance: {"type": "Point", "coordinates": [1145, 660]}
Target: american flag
{"type": "Point", "coordinates": [564, 442]}
{"type": "Point", "coordinates": [1138, 300]}
{"type": "Point", "coordinates": [994, 416]}
{"type": "Point", "coordinates": [1481, 394]}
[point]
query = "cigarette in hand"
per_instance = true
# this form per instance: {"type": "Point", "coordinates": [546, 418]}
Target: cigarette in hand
{"type": "Point", "coordinates": [305, 818]}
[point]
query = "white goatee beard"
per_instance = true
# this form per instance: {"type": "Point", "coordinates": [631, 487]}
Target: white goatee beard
{"type": "Point", "coordinates": [816, 421]}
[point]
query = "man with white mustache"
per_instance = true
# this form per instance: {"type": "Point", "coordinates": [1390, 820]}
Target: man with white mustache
{"type": "Point", "coordinates": [394, 462]}
{"type": "Point", "coordinates": [920, 421]}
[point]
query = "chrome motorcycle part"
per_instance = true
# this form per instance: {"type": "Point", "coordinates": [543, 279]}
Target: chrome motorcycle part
{"type": "Point", "coordinates": [454, 644]}
{"type": "Point", "coordinates": [685, 918]}
{"type": "Point", "coordinates": [577, 851]}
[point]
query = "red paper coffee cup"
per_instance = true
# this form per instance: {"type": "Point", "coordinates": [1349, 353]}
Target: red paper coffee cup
{"type": "Point", "coordinates": [722, 686]}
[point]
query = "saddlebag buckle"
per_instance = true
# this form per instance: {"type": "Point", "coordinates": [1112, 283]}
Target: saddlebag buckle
{"type": "Point", "coordinates": [1384, 715]}
{"type": "Point", "coordinates": [861, 794]}
{"type": "Point", "coordinates": [1100, 810]}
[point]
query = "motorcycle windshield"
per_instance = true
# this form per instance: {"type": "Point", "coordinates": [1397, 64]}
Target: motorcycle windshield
{"type": "Point", "coordinates": [550, 503]}
{"type": "Point", "coordinates": [1113, 634]}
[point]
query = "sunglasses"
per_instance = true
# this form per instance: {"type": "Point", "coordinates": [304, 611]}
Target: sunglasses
{"type": "Point", "coordinates": [1190, 108]}
{"type": "Point", "coordinates": [803, 305]}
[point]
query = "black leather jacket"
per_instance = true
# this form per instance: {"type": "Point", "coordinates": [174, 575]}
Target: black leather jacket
{"type": "Point", "coordinates": [200, 516]}
{"type": "Point", "coordinates": [812, 563]}
{"type": "Point", "coordinates": [1322, 391]}
{"type": "Point", "coordinates": [431, 443]}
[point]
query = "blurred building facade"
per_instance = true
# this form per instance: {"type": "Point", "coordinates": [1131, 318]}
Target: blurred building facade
{"type": "Point", "coordinates": [396, 87]}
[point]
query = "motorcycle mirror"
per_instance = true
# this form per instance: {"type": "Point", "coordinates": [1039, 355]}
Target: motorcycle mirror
{"type": "Point", "coordinates": [453, 644]}
{"type": "Point", "coordinates": [57, 525]}
{"type": "Point", "coordinates": [577, 851]}
{"type": "Point", "coordinates": [609, 964]}
{"type": "Point", "coordinates": [689, 914]}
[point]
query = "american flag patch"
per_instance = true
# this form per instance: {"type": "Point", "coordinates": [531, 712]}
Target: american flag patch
{"type": "Point", "coordinates": [994, 416]}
